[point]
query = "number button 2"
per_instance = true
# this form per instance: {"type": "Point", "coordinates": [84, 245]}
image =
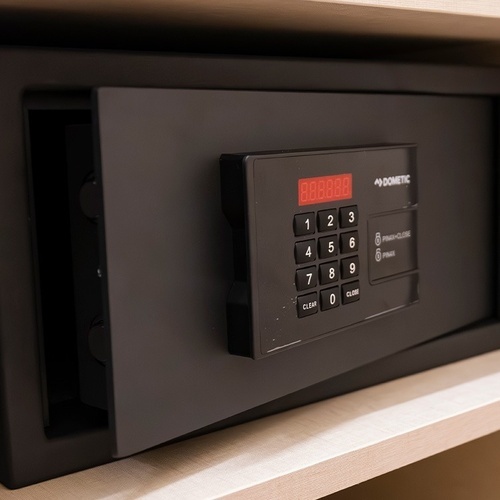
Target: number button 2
{"type": "Point", "coordinates": [327, 220]}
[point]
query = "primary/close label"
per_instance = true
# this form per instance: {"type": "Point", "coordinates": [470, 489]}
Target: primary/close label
{"type": "Point", "coordinates": [392, 244]}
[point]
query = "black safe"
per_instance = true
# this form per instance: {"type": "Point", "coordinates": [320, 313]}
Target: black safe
{"type": "Point", "coordinates": [192, 242]}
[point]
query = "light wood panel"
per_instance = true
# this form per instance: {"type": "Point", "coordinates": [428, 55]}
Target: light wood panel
{"type": "Point", "coordinates": [308, 452]}
{"type": "Point", "coordinates": [467, 472]}
{"type": "Point", "coordinates": [464, 20]}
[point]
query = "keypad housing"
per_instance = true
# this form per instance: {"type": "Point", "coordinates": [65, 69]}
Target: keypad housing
{"type": "Point", "coordinates": [306, 268]}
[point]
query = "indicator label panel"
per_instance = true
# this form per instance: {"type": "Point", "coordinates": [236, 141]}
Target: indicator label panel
{"type": "Point", "coordinates": [393, 248]}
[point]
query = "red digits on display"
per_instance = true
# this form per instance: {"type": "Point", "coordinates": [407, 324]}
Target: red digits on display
{"type": "Point", "coordinates": [324, 189]}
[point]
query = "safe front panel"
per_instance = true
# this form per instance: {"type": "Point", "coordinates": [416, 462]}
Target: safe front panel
{"type": "Point", "coordinates": [168, 247]}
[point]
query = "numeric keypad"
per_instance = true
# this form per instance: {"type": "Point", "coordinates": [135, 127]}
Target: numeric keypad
{"type": "Point", "coordinates": [327, 247]}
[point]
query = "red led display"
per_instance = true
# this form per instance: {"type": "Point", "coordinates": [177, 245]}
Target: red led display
{"type": "Point", "coordinates": [314, 190]}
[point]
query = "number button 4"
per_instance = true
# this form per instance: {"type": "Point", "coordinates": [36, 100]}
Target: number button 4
{"type": "Point", "coordinates": [305, 251]}
{"type": "Point", "coordinates": [306, 278]}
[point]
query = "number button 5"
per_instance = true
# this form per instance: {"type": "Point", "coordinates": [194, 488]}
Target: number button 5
{"type": "Point", "coordinates": [328, 247]}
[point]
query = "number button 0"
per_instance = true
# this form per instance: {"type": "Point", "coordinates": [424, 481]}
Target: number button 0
{"type": "Point", "coordinates": [306, 278]}
{"type": "Point", "coordinates": [349, 267]}
{"type": "Point", "coordinates": [329, 298]}
{"type": "Point", "coordinates": [329, 272]}
{"type": "Point", "coordinates": [328, 247]}
{"type": "Point", "coordinates": [327, 220]}
{"type": "Point", "coordinates": [348, 216]}
{"type": "Point", "coordinates": [303, 224]}
{"type": "Point", "coordinates": [305, 251]}
{"type": "Point", "coordinates": [349, 242]}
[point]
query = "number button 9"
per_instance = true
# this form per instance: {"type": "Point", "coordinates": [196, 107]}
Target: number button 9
{"type": "Point", "coordinates": [349, 267]}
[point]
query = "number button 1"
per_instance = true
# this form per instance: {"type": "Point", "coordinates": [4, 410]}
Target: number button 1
{"type": "Point", "coordinates": [305, 251]}
{"type": "Point", "coordinates": [327, 220]}
{"type": "Point", "coordinates": [303, 224]}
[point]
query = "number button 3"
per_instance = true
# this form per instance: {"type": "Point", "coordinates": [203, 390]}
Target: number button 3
{"type": "Point", "coordinates": [348, 216]}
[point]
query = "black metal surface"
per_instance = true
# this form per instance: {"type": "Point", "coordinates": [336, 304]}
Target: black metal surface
{"type": "Point", "coordinates": [27, 455]}
{"type": "Point", "coordinates": [168, 245]}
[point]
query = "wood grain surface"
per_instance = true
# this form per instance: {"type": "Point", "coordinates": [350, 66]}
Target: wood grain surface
{"type": "Point", "coordinates": [309, 452]}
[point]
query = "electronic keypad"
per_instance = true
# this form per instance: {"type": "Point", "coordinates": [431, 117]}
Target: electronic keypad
{"type": "Point", "coordinates": [323, 240]}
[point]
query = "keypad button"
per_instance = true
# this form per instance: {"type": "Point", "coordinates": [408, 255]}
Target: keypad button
{"type": "Point", "coordinates": [348, 216]}
{"type": "Point", "coordinates": [349, 268]}
{"type": "Point", "coordinates": [328, 247]}
{"type": "Point", "coordinates": [349, 242]}
{"type": "Point", "coordinates": [329, 298]}
{"type": "Point", "coordinates": [306, 278]}
{"type": "Point", "coordinates": [329, 272]}
{"type": "Point", "coordinates": [305, 251]}
{"type": "Point", "coordinates": [327, 220]}
{"type": "Point", "coordinates": [350, 292]}
{"type": "Point", "coordinates": [307, 305]}
{"type": "Point", "coordinates": [304, 224]}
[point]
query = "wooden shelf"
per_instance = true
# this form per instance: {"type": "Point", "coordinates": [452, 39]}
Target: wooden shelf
{"type": "Point", "coordinates": [442, 31]}
{"type": "Point", "coordinates": [308, 452]}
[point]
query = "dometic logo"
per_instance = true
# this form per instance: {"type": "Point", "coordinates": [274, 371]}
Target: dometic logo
{"type": "Point", "coordinates": [395, 180]}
